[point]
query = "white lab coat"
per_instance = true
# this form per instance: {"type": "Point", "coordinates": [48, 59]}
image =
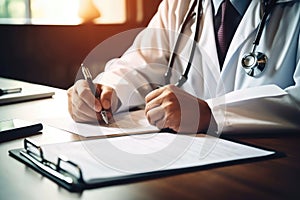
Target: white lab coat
{"type": "Point", "coordinates": [239, 102]}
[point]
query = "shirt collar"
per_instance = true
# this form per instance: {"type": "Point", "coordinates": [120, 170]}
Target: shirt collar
{"type": "Point", "coordinates": [240, 5]}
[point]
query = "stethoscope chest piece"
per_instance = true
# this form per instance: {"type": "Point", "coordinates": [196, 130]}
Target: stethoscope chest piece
{"type": "Point", "coordinates": [254, 63]}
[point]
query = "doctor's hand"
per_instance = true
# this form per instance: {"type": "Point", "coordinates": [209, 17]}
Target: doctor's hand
{"type": "Point", "coordinates": [83, 105]}
{"type": "Point", "coordinates": [172, 107]}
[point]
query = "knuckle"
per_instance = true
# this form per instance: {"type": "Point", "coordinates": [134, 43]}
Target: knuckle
{"type": "Point", "coordinates": [169, 106]}
{"type": "Point", "coordinates": [146, 99]}
{"type": "Point", "coordinates": [169, 94]}
{"type": "Point", "coordinates": [80, 105]}
{"type": "Point", "coordinates": [105, 89]}
{"type": "Point", "coordinates": [80, 83]}
{"type": "Point", "coordinates": [70, 91]}
{"type": "Point", "coordinates": [168, 87]}
{"type": "Point", "coordinates": [147, 108]}
{"type": "Point", "coordinates": [149, 118]}
{"type": "Point", "coordinates": [74, 117]}
{"type": "Point", "coordinates": [106, 95]}
{"type": "Point", "coordinates": [84, 92]}
{"type": "Point", "coordinates": [171, 87]}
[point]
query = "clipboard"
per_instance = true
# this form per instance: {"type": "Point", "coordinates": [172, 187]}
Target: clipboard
{"type": "Point", "coordinates": [32, 155]}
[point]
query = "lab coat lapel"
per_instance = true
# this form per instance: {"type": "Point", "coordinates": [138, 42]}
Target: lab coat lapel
{"type": "Point", "coordinates": [244, 30]}
{"type": "Point", "coordinates": [207, 40]}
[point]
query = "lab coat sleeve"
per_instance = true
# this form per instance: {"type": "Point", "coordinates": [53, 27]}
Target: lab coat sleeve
{"type": "Point", "coordinates": [277, 111]}
{"type": "Point", "coordinates": [145, 62]}
{"type": "Point", "coordinates": [262, 108]}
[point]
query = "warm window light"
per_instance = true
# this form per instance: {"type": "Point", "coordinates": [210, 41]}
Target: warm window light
{"type": "Point", "coordinates": [55, 12]}
{"type": "Point", "coordinates": [112, 10]}
{"type": "Point", "coordinates": [69, 12]}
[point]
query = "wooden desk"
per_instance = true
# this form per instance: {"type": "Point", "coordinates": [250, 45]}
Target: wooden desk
{"type": "Point", "coordinates": [268, 179]}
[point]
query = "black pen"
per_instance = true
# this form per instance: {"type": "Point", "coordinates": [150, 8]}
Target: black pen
{"type": "Point", "coordinates": [10, 91]}
{"type": "Point", "coordinates": [88, 77]}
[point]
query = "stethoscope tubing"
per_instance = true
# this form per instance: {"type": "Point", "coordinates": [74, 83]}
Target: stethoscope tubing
{"type": "Point", "coordinates": [262, 24]}
{"type": "Point", "coordinates": [189, 16]}
{"type": "Point", "coordinates": [268, 7]}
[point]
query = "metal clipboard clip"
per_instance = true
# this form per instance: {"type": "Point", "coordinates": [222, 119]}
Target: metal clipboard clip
{"type": "Point", "coordinates": [35, 155]}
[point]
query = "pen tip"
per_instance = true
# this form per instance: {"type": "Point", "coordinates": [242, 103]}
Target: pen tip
{"type": "Point", "coordinates": [104, 116]}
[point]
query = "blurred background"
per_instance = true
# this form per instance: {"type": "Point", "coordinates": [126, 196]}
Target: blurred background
{"type": "Point", "coordinates": [45, 41]}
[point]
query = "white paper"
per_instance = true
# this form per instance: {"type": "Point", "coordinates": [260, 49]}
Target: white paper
{"type": "Point", "coordinates": [127, 155]}
{"type": "Point", "coordinates": [125, 123]}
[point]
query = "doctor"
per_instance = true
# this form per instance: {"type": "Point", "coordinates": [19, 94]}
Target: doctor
{"type": "Point", "coordinates": [219, 94]}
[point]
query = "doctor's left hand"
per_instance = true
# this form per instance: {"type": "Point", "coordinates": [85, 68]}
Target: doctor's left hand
{"type": "Point", "coordinates": [172, 107]}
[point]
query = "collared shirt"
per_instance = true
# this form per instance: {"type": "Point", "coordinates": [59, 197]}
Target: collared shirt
{"type": "Point", "coordinates": [240, 5]}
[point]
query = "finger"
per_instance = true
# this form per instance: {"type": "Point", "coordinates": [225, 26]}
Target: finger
{"type": "Point", "coordinates": [83, 118]}
{"type": "Point", "coordinates": [80, 115]}
{"type": "Point", "coordinates": [155, 102]}
{"type": "Point", "coordinates": [152, 105]}
{"type": "Point", "coordinates": [155, 115]}
{"type": "Point", "coordinates": [106, 97]}
{"type": "Point", "coordinates": [85, 94]}
{"type": "Point", "coordinates": [82, 112]}
{"type": "Point", "coordinates": [155, 93]}
{"type": "Point", "coordinates": [70, 98]}
{"type": "Point", "coordinates": [75, 109]}
{"type": "Point", "coordinates": [161, 124]}
{"type": "Point", "coordinates": [78, 109]}
{"type": "Point", "coordinates": [167, 122]}
{"type": "Point", "coordinates": [93, 117]}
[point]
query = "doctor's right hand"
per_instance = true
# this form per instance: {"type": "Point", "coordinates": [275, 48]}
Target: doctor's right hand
{"type": "Point", "coordinates": [83, 105]}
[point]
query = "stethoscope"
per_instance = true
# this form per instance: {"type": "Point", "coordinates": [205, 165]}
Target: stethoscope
{"type": "Point", "coordinates": [254, 62]}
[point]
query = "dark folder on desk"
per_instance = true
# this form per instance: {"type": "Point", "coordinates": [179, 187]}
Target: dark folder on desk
{"type": "Point", "coordinates": [29, 91]}
{"type": "Point", "coordinates": [101, 162]}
